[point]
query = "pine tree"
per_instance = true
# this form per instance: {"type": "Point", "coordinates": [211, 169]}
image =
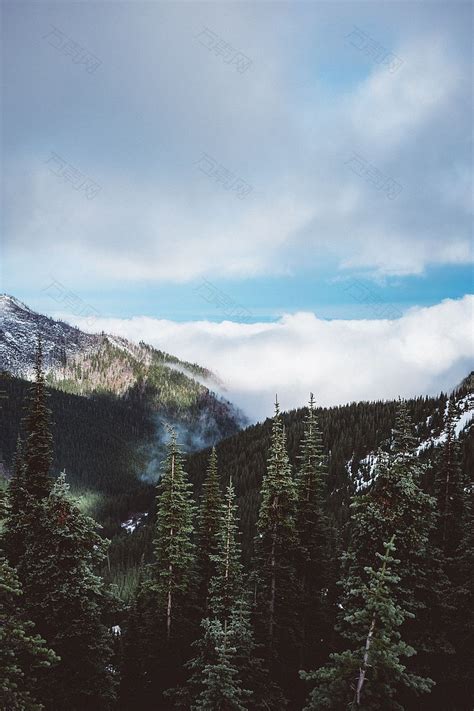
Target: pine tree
{"type": "Point", "coordinates": [461, 688]}
{"type": "Point", "coordinates": [227, 672]}
{"type": "Point", "coordinates": [38, 445]}
{"type": "Point", "coordinates": [173, 545]}
{"type": "Point", "coordinates": [316, 569]}
{"type": "Point", "coordinates": [31, 481]}
{"type": "Point", "coordinates": [56, 550]}
{"type": "Point", "coordinates": [207, 526]}
{"type": "Point", "coordinates": [275, 551]}
{"type": "Point", "coordinates": [454, 538]}
{"type": "Point", "coordinates": [69, 604]}
{"type": "Point", "coordinates": [22, 653]}
{"type": "Point", "coordinates": [163, 616]}
{"type": "Point", "coordinates": [396, 505]}
{"type": "Point", "coordinates": [17, 524]}
{"type": "Point", "coordinates": [448, 487]}
{"type": "Point", "coordinates": [369, 675]}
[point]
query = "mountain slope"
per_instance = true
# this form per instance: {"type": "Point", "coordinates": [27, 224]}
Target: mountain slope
{"type": "Point", "coordinates": [176, 392]}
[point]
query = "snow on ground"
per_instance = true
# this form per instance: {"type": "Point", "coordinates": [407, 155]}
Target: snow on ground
{"type": "Point", "coordinates": [133, 522]}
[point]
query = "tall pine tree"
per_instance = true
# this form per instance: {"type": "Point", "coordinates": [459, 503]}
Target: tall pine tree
{"type": "Point", "coordinates": [207, 526]}
{"type": "Point", "coordinates": [227, 672]}
{"type": "Point", "coordinates": [22, 651]}
{"type": "Point", "coordinates": [275, 550]}
{"type": "Point", "coordinates": [370, 674]}
{"type": "Point", "coordinates": [57, 550]}
{"type": "Point", "coordinates": [163, 616]}
{"type": "Point", "coordinates": [316, 554]}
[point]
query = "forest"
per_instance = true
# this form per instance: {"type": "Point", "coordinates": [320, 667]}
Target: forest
{"type": "Point", "coordinates": [264, 577]}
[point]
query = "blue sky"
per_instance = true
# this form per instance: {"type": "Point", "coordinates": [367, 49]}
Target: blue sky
{"type": "Point", "coordinates": [303, 157]}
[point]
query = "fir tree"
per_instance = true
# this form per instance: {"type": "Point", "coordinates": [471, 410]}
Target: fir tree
{"type": "Point", "coordinates": [316, 544]}
{"type": "Point", "coordinates": [275, 550]}
{"type": "Point", "coordinates": [17, 524]}
{"type": "Point", "coordinates": [69, 604]}
{"type": "Point", "coordinates": [227, 672]}
{"type": "Point", "coordinates": [369, 675]}
{"type": "Point", "coordinates": [396, 505]}
{"type": "Point", "coordinates": [163, 627]}
{"type": "Point", "coordinates": [22, 652]}
{"type": "Point", "coordinates": [173, 545]}
{"type": "Point", "coordinates": [57, 550]}
{"type": "Point", "coordinates": [208, 522]}
{"type": "Point", "coordinates": [448, 487]}
{"type": "Point", "coordinates": [38, 444]}
{"type": "Point", "coordinates": [31, 481]}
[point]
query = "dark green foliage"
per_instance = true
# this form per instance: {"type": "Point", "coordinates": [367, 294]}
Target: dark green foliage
{"type": "Point", "coordinates": [38, 445]}
{"type": "Point", "coordinates": [227, 672]}
{"type": "Point", "coordinates": [207, 526]}
{"type": "Point", "coordinates": [22, 652]}
{"type": "Point", "coordinates": [161, 626]}
{"type": "Point", "coordinates": [69, 605]}
{"type": "Point", "coordinates": [449, 488]}
{"type": "Point", "coordinates": [275, 551]}
{"type": "Point", "coordinates": [57, 550]}
{"type": "Point", "coordinates": [173, 546]}
{"type": "Point", "coordinates": [370, 674]}
{"type": "Point", "coordinates": [316, 556]}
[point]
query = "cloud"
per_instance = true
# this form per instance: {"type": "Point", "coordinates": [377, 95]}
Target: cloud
{"type": "Point", "coordinates": [423, 352]}
{"type": "Point", "coordinates": [161, 99]}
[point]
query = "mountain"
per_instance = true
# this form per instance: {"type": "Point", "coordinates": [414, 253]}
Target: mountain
{"type": "Point", "coordinates": [176, 392]}
{"type": "Point", "coordinates": [111, 401]}
{"type": "Point", "coordinates": [352, 434]}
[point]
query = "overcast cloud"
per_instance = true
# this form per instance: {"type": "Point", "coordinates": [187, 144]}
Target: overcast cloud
{"type": "Point", "coordinates": [425, 351]}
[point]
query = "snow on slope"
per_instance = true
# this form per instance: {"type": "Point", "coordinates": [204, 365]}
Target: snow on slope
{"type": "Point", "coordinates": [366, 470]}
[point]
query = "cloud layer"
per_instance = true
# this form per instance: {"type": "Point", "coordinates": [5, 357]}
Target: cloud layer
{"type": "Point", "coordinates": [287, 126]}
{"type": "Point", "coordinates": [423, 352]}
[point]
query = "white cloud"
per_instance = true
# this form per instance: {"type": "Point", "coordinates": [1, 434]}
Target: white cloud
{"type": "Point", "coordinates": [426, 350]}
{"type": "Point", "coordinates": [158, 218]}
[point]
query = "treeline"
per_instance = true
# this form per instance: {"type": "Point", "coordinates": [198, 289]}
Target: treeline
{"type": "Point", "coordinates": [369, 610]}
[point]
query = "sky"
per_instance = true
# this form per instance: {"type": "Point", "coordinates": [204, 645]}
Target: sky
{"type": "Point", "coordinates": [264, 188]}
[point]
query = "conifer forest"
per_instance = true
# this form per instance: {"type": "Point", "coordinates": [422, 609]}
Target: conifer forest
{"type": "Point", "coordinates": [304, 595]}
{"type": "Point", "coordinates": [236, 355]}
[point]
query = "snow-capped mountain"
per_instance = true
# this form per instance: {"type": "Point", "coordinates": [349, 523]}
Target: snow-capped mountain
{"type": "Point", "coordinates": [19, 326]}
{"type": "Point", "coordinates": [82, 364]}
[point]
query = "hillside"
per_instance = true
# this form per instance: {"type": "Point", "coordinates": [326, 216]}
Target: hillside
{"type": "Point", "coordinates": [114, 395]}
{"type": "Point", "coordinates": [351, 436]}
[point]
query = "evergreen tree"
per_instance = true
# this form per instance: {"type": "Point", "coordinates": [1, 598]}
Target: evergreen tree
{"type": "Point", "coordinates": [31, 481]}
{"type": "Point", "coordinates": [57, 550]}
{"type": "Point", "coordinates": [38, 445]}
{"type": "Point", "coordinates": [219, 684]}
{"type": "Point", "coordinates": [316, 546]}
{"type": "Point", "coordinates": [173, 545]}
{"type": "Point", "coordinates": [370, 674]}
{"type": "Point", "coordinates": [448, 487]}
{"type": "Point", "coordinates": [396, 505]}
{"type": "Point", "coordinates": [22, 653]}
{"type": "Point", "coordinates": [227, 672]}
{"type": "Point", "coordinates": [275, 550]}
{"type": "Point", "coordinates": [207, 526]}
{"type": "Point", "coordinates": [461, 689]}
{"type": "Point", "coordinates": [17, 524]}
{"type": "Point", "coordinates": [69, 604]}
{"type": "Point", "coordinates": [161, 628]}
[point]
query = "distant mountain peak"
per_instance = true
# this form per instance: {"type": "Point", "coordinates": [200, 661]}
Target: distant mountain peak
{"type": "Point", "coordinates": [83, 364]}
